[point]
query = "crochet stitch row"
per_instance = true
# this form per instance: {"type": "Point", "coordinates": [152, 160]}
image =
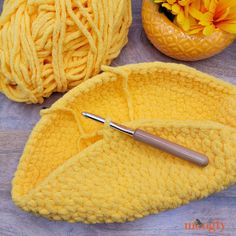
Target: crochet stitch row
{"type": "Point", "coordinates": [74, 169]}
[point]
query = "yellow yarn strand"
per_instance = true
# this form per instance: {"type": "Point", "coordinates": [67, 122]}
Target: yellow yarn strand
{"type": "Point", "coordinates": [124, 74]}
{"type": "Point", "coordinates": [51, 46]}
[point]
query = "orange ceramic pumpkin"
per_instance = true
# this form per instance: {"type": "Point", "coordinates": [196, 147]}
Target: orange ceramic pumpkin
{"type": "Point", "coordinates": [174, 42]}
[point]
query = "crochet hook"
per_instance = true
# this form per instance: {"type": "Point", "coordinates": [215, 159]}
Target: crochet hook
{"type": "Point", "coordinates": [156, 142]}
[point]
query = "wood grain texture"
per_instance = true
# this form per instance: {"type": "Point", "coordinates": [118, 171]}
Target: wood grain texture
{"type": "Point", "coordinates": [17, 120]}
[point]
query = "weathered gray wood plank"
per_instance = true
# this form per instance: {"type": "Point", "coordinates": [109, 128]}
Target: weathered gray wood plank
{"type": "Point", "coordinates": [16, 121]}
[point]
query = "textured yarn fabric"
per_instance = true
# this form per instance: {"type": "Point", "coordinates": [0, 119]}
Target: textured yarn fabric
{"type": "Point", "coordinates": [51, 46]}
{"type": "Point", "coordinates": [75, 169]}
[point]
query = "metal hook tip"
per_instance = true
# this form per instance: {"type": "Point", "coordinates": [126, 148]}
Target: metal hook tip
{"type": "Point", "coordinates": [84, 113]}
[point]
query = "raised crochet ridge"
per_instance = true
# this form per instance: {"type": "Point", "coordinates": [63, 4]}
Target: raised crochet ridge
{"type": "Point", "coordinates": [74, 169]}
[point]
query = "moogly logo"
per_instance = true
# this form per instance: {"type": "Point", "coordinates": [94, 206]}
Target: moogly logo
{"type": "Point", "coordinates": [215, 226]}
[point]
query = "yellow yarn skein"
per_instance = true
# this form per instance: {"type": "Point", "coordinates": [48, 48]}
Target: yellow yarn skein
{"type": "Point", "coordinates": [51, 46]}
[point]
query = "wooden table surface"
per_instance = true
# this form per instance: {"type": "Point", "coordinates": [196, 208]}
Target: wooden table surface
{"type": "Point", "coordinates": [17, 120]}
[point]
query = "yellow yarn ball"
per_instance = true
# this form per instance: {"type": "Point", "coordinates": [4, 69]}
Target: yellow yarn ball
{"type": "Point", "coordinates": [51, 46]}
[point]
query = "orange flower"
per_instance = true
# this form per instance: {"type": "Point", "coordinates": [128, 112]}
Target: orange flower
{"type": "Point", "coordinates": [216, 14]}
{"type": "Point", "coordinates": [180, 8]}
{"type": "Point", "coordinates": [196, 16]}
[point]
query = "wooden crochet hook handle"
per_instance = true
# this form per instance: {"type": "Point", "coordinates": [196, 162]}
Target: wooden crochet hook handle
{"type": "Point", "coordinates": [156, 142]}
{"type": "Point", "coordinates": [171, 148]}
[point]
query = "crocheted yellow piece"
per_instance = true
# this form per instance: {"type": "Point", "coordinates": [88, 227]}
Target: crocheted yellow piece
{"type": "Point", "coordinates": [74, 169]}
{"type": "Point", "coordinates": [51, 46]}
